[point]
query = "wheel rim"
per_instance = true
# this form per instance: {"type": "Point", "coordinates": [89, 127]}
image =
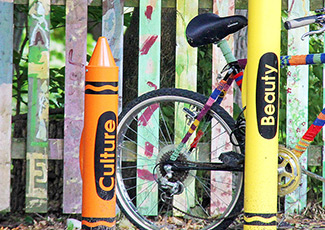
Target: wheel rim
{"type": "Point", "coordinates": [199, 210]}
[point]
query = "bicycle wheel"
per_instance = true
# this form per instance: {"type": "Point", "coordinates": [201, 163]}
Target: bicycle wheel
{"type": "Point", "coordinates": [149, 130]}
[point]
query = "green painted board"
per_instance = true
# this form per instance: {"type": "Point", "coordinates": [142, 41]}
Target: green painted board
{"type": "Point", "coordinates": [112, 29]}
{"type": "Point", "coordinates": [76, 41]}
{"type": "Point", "coordinates": [221, 199]}
{"type": "Point", "coordinates": [148, 80]}
{"type": "Point", "coordinates": [6, 66]}
{"type": "Point", "coordinates": [38, 106]}
{"type": "Point", "coordinates": [297, 99]}
{"type": "Point", "coordinates": [186, 78]}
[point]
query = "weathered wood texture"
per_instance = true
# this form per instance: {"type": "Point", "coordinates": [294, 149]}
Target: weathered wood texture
{"type": "Point", "coordinates": [148, 79]}
{"type": "Point", "coordinates": [76, 41]}
{"type": "Point", "coordinates": [6, 67]}
{"type": "Point", "coordinates": [39, 148]}
{"type": "Point", "coordinates": [206, 4]}
{"type": "Point", "coordinates": [38, 106]}
{"type": "Point", "coordinates": [322, 156]}
{"type": "Point", "coordinates": [185, 78]}
{"type": "Point", "coordinates": [112, 29]}
{"type": "Point", "coordinates": [297, 101]}
{"type": "Point", "coordinates": [221, 201]}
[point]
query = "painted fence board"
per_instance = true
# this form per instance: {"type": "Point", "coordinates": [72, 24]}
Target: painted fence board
{"type": "Point", "coordinates": [38, 106]}
{"type": "Point", "coordinates": [6, 67]}
{"type": "Point", "coordinates": [18, 149]}
{"type": "Point", "coordinates": [148, 79]}
{"type": "Point", "coordinates": [76, 41]}
{"type": "Point", "coordinates": [297, 99]}
{"type": "Point", "coordinates": [223, 196]}
{"type": "Point", "coordinates": [186, 71]}
{"type": "Point", "coordinates": [323, 132]}
{"type": "Point", "coordinates": [112, 29]}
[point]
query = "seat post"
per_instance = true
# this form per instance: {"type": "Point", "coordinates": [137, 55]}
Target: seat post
{"type": "Point", "coordinates": [226, 51]}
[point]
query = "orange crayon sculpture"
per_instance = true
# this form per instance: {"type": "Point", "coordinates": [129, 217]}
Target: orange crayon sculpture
{"type": "Point", "coordinates": [98, 142]}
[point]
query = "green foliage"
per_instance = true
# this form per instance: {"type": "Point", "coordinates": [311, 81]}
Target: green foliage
{"type": "Point", "coordinates": [283, 82]}
{"type": "Point", "coordinates": [29, 220]}
{"type": "Point", "coordinates": [315, 187]}
{"type": "Point", "coordinates": [57, 87]}
{"type": "Point", "coordinates": [57, 16]}
{"type": "Point", "coordinates": [204, 73]}
{"type": "Point", "coordinates": [127, 18]}
{"type": "Point", "coordinates": [70, 226]}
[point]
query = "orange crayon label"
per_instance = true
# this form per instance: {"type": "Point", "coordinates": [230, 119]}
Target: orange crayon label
{"type": "Point", "coordinates": [105, 155]}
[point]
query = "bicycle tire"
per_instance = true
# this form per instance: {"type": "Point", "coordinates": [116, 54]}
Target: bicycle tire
{"type": "Point", "coordinates": [197, 210]}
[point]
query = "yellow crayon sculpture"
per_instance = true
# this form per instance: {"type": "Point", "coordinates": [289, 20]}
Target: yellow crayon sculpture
{"type": "Point", "coordinates": [98, 142]}
{"type": "Point", "coordinates": [260, 202]}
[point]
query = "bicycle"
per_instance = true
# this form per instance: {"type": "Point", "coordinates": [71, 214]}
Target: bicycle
{"type": "Point", "coordinates": [169, 179]}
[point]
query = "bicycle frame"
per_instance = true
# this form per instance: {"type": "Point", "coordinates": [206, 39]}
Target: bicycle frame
{"type": "Point", "coordinates": [217, 96]}
{"type": "Point", "coordinates": [235, 73]}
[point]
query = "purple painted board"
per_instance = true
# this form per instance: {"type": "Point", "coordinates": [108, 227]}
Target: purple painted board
{"type": "Point", "coordinates": [6, 48]}
{"type": "Point", "coordinates": [112, 29]}
{"type": "Point", "coordinates": [76, 41]}
{"type": "Point", "coordinates": [55, 149]}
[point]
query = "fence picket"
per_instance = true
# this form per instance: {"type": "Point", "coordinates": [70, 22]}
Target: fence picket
{"type": "Point", "coordinates": [221, 200]}
{"type": "Point", "coordinates": [297, 101]}
{"type": "Point", "coordinates": [39, 147]}
{"type": "Point", "coordinates": [38, 106]}
{"type": "Point", "coordinates": [148, 79]}
{"type": "Point", "coordinates": [323, 132]}
{"type": "Point", "coordinates": [186, 69]}
{"type": "Point", "coordinates": [6, 66]}
{"type": "Point", "coordinates": [76, 41]}
{"type": "Point", "coordinates": [112, 29]}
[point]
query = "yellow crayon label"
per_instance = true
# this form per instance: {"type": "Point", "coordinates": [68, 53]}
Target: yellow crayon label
{"type": "Point", "coordinates": [267, 95]}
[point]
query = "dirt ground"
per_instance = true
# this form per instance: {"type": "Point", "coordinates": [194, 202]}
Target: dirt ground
{"type": "Point", "coordinates": [313, 217]}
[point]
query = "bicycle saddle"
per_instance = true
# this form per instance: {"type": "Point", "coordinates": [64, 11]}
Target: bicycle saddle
{"type": "Point", "coordinates": [210, 28]}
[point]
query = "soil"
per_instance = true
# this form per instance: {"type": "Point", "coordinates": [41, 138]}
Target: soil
{"type": "Point", "coordinates": [313, 217]}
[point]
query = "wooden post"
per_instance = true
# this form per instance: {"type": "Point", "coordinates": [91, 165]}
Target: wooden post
{"type": "Point", "coordinates": [148, 80]}
{"type": "Point", "coordinates": [76, 52]}
{"type": "Point", "coordinates": [6, 67]}
{"type": "Point", "coordinates": [38, 106]}
{"type": "Point", "coordinates": [186, 73]}
{"type": "Point", "coordinates": [112, 29]}
{"type": "Point", "coordinates": [323, 132]}
{"type": "Point", "coordinates": [221, 201]}
{"type": "Point", "coordinates": [297, 101]}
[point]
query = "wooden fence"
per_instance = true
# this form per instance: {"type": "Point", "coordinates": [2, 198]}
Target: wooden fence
{"type": "Point", "coordinates": [38, 148]}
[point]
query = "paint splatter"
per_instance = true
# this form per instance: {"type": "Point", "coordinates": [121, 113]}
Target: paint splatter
{"type": "Point", "coordinates": [145, 117]}
{"type": "Point", "coordinates": [148, 12]}
{"type": "Point", "coordinates": [70, 57]}
{"type": "Point", "coordinates": [148, 149]}
{"type": "Point", "coordinates": [148, 43]}
{"type": "Point", "coordinates": [144, 174]}
{"type": "Point", "coordinates": [149, 83]}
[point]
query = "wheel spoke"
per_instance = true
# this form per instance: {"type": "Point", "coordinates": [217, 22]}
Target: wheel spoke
{"type": "Point", "coordinates": [193, 205]}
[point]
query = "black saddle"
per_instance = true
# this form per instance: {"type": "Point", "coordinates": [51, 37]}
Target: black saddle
{"type": "Point", "coordinates": [210, 28]}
